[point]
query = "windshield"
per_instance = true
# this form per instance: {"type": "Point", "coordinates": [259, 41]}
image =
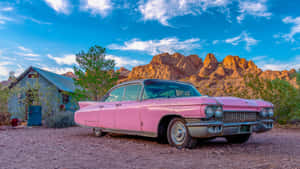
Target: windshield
{"type": "Point", "coordinates": [163, 89]}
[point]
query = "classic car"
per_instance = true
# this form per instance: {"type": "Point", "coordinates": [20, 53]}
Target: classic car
{"type": "Point", "coordinates": [175, 113]}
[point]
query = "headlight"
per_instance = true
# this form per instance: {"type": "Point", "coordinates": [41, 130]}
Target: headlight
{"type": "Point", "coordinates": [271, 112]}
{"type": "Point", "coordinates": [264, 112]}
{"type": "Point", "coordinates": [212, 111]}
{"type": "Point", "coordinates": [209, 112]}
{"type": "Point", "coordinates": [219, 112]}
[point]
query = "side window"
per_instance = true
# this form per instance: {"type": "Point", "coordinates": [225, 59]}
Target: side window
{"type": "Point", "coordinates": [132, 92]}
{"type": "Point", "coordinates": [115, 95]}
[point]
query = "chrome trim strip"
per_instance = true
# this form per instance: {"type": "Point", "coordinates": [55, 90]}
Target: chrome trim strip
{"type": "Point", "coordinates": [217, 123]}
{"type": "Point", "coordinates": [214, 123]}
{"type": "Point", "coordinates": [240, 123]}
{"type": "Point", "coordinates": [239, 111]}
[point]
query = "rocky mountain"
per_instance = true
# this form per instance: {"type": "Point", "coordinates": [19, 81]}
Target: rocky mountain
{"type": "Point", "coordinates": [210, 76]}
{"type": "Point", "coordinates": [69, 74]}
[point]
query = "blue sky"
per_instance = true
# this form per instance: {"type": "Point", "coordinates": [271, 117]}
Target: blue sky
{"type": "Point", "coordinates": [48, 33]}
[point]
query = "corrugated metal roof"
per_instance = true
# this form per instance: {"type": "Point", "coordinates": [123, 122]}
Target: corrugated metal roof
{"type": "Point", "coordinates": [61, 82]}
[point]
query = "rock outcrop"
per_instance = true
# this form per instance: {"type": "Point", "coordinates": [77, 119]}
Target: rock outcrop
{"type": "Point", "coordinates": [69, 74]}
{"type": "Point", "coordinates": [209, 76]}
{"type": "Point", "coordinates": [123, 73]}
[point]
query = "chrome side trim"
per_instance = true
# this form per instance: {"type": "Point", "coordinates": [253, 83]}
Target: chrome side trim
{"type": "Point", "coordinates": [129, 132]}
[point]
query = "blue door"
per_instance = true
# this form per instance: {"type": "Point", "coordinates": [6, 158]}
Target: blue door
{"type": "Point", "coordinates": [34, 116]}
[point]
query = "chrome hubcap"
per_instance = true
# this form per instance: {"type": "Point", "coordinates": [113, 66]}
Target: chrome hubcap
{"type": "Point", "coordinates": [178, 133]}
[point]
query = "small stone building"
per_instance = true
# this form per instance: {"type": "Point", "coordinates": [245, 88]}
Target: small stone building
{"type": "Point", "coordinates": [53, 92]}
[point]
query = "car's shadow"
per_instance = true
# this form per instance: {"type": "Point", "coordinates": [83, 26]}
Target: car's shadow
{"type": "Point", "coordinates": [214, 142]}
{"type": "Point", "coordinates": [219, 142]}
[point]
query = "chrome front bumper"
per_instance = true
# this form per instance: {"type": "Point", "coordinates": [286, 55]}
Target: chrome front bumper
{"type": "Point", "coordinates": [218, 128]}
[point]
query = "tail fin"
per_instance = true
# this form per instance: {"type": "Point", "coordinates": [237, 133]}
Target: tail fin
{"type": "Point", "coordinates": [85, 104]}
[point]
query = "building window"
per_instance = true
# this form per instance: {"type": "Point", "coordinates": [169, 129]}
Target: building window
{"type": "Point", "coordinates": [33, 76]}
{"type": "Point", "coordinates": [66, 98]}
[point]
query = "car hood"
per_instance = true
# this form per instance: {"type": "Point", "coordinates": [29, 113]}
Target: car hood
{"type": "Point", "coordinates": [235, 102]}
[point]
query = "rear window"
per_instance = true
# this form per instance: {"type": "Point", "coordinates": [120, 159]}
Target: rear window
{"type": "Point", "coordinates": [159, 89]}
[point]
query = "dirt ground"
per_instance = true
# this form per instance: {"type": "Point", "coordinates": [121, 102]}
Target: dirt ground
{"type": "Point", "coordinates": [72, 148]}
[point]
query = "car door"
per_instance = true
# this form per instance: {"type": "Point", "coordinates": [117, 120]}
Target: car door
{"type": "Point", "coordinates": [109, 108]}
{"type": "Point", "coordinates": [128, 111]}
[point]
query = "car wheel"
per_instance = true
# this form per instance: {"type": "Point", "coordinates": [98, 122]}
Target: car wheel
{"type": "Point", "coordinates": [98, 132]}
{"type": "Point", "coordinates": [178, 134]}
{"type": "Point", "coordinates": [238, 139]}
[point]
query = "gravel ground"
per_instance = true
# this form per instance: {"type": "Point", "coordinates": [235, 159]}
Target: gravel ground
{"type": "Point", "coordinates": [72, 148]}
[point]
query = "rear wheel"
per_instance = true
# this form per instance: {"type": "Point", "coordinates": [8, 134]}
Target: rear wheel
{"type": "Point", "coordinates": [178, 134]}
{"type": "Point", "coordinates": [238, 139]}
{"type": "Point", "coordinates": [98, 132]}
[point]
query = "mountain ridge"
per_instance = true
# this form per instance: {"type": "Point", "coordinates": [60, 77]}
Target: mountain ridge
{"type": "Point", "coordinates": [210, 76]}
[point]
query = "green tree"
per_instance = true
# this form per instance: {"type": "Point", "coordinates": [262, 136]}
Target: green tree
{"type": "Point", "coordinates": [282, 94]}
{"type": "Point", "coordinates": [4, 92]}
{"type": "Point", "coordinates": [298, 77]}
{"type": "Point", "coordinates": [4, 115]}
{"type": "Point", "coordinates": [95, 74]}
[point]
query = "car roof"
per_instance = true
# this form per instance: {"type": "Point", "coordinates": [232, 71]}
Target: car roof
{"type": "Point", "coordinates": [151, 80]}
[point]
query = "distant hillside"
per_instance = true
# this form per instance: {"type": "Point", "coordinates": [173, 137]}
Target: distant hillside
{"type": "Point", "coordinates": [210, 76]}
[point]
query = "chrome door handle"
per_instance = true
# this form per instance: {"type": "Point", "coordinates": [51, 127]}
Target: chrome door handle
{"type": "Point", "coordinates": [119, 104]}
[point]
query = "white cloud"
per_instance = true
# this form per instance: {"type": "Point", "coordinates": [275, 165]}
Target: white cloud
{"type": "Point", "coordinates": [57, 70]}
{"type": "Point", "coordinates": [6, 9]}
{"type": "Point", "coordinates": [36, 21]}
{"type": "Point", "coordinates": [154, 47]}
{"type": "Point", "coordinates": [101, 7]}
{"type": "Point", "coordinates": [4, 71]}
{"type": "Point", "coordinates": [163, 10]}
{"type": "Point", "coordinates": [24, 49]}
{"type": "Point", "coordinates": [269, 63]}
{"type": "Point", "coordinates": [257, 8]}
{"type": "Point", "coordinates": [243, 37]}
{"type": "Point", "coordinates": [60, 6]}
{"type": "Point", "coordinates": [294, 30]}
{"type": "Point", "coordinates": [279, 66]}
{"type": "Point", "coordinates": [124, 62]}
{"type": "Point", "coordinates": [215, 42]}
{"type": "Point", "coordinates": [28, 54]}
{"type": "Point", "coordinates": [4, 19]}
{"type": "Point", "coordinates": [69, 59]}
{"type": "Point", "coordinates": [19, 70]}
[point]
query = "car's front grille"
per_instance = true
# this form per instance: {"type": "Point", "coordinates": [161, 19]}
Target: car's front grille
{"type": "Point", "coordinates": [239, 116]}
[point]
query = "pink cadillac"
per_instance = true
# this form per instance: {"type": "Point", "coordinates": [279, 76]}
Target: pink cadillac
{"type": "Point", "coordinates": [175, 113]}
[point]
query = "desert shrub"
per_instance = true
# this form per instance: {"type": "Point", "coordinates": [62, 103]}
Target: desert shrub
{"type": "Point", "coordinates": [284, 96]}
{"type": "Point", "coordinates": [60, 120]}
{"type": "Point", "coordinates": [4, 118]}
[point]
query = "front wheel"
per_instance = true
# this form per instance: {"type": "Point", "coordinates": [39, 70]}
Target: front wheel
{"type": "Point", "coordinates": [238, 139]}
{"type": "Point", "coordinates": [178, 134]}
{"type": "Point", "coordinates": [98, 132]}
